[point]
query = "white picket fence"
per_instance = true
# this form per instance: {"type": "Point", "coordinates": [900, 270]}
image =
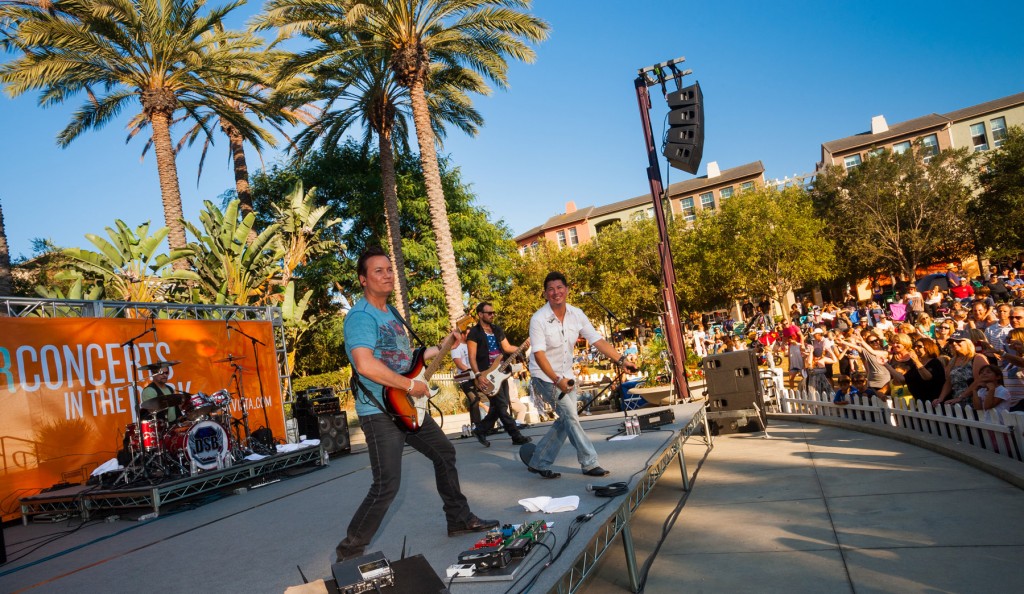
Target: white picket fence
{"type": "Point", "coordinates": [994, 431]}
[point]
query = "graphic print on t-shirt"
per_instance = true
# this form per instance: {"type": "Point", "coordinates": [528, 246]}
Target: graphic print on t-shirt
{"type": "Point", "coordinates": [393, 346]}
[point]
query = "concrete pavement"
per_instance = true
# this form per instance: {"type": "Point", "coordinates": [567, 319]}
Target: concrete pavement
{"type": "Point", "coordinates": [823, 509]}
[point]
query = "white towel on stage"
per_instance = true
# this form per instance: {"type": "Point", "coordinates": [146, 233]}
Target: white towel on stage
{"type": "Point", "coordinates": [550, 505]}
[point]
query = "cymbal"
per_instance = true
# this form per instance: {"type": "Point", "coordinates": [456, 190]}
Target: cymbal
{"type": "Point", "coordinates": [158, 365]}
{"type": "Point", "coordinates": [230, 358]}
{"type": "Point", "coordinates": [164, 401]}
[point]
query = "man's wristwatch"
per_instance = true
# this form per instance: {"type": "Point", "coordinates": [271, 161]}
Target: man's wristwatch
{"type": "Point", "coordinates": [621, 360]}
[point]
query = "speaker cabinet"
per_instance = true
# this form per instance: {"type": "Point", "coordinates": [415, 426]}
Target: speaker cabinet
{"type": "Point", "coordinates": [333, 429]}
{"type": "Point", "coordinates": [733, 389]}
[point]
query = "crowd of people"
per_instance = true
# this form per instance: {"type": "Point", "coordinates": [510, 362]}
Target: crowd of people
{"type": "Point", "coordinates": [958, 342]}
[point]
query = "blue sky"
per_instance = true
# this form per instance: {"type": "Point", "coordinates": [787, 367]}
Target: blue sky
{"type": "Point", "coordinates": [779, 78]}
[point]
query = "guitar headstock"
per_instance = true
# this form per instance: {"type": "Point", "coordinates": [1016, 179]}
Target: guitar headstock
{"type": "Point", "coordinates": [464, 322]}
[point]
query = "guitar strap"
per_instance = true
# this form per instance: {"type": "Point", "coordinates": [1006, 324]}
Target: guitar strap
{"type": "Point", "coordinates": [408, 327]}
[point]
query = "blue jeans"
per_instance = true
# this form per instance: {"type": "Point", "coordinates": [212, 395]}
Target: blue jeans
{"type": "Point", "coordinates": [566, 425]}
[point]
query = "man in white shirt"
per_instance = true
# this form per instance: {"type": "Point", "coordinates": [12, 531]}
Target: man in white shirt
{"type": "Point", "coordinates": [554, 329]}
{"type": "Point", "coordinates": [464, 377]}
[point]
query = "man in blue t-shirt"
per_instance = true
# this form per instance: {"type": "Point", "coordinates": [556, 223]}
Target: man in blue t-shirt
{"type": "Point", "coordinates": [379, 348]}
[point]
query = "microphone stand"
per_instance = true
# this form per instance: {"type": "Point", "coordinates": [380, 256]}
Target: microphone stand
{"type": "Point", "coordinates": [137, 406]}
{"type": "Point", "coordinates": [259, 378]}
{"type": "Point", "coordinates": [618, 370]}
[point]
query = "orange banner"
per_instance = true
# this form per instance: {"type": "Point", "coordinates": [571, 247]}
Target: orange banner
{"type": "Point", "coordinates": [67, 388]}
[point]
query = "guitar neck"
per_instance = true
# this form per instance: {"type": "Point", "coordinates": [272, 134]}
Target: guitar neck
{"type": "Point", "coordinates": [435, 363]}
{"type": "Point", "coordinates": [511, 358]}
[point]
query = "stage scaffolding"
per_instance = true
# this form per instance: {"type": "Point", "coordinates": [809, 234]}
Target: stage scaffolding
{"type": "Point", "coordinates": [30, 307]}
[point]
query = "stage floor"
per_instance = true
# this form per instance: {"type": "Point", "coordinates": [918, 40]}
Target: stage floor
{"type": "Point", "coordinates": [256, 541]}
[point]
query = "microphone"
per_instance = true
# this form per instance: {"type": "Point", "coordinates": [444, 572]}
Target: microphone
{"type": "Point", "coordinates": [152, 320]}
{"type": "Point", "coordinates": [227, 322]}
{"type": "Point", "coordinates": [571, 384]}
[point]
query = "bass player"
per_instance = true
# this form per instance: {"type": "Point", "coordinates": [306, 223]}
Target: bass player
{"type": "Point", "coordinates": [380, 349]}
{"type": "Point", "coordinates": [487, 344]}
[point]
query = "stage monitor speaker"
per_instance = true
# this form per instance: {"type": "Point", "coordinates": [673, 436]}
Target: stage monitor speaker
{"type": "Point", "coordinates": [733, 384]}
{"type": "Point", "coordinates": [334, 432]}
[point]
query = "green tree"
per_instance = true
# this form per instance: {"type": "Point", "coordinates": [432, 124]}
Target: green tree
{"type": "Point", "coordinates": [767, 241]}
{"type": "Point", "coordinates": [526, 293]}
{"type": "Point", "coordinates": [229, 269]}
{"type": "Point", "coordinates": [6, 278]}
{"type": "Point", "coordinates": [997, 213]}
{"type": "Point", "coordinates": [347, 180]}
{"type": "Point", "coordinates": [163, 54]}
{"type": "Point", "coordinates": [895, 212]}
{"type": "Point", "coordinates": [625, 273]}
{"type": "Point", "coordinates": [128, 266]}
{"type": "Point", "coordinates": [362, 89]}
{"type": "Point", "coordinates": [420, 35]}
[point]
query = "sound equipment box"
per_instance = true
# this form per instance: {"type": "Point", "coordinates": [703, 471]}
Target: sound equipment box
{"type": "Point", "coordinates": [656, 419]}
{"type": "Point", "coordinates": [734, 391]}
{"type": "Point", "coordinates": [333, 430]}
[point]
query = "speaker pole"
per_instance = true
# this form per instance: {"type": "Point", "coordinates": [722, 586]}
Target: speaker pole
{"type": "Point", "coordinates": [673, 328]}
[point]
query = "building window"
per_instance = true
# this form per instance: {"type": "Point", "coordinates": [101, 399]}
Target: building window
{"type": "Point", "coordinates": [561, 238]}
{"type": "Point", "coordinates": [746, 186]}
{"type": "Point", "coordinates": [688, 211]}
{"type": "Point", "coordinates": [978, 137]}
{"type": "Point", "coordinates": [851, 161]}
{"type": "Point", "coordinates": [998, 131]}
{"type": "Point", "coordinates": [573, 238]}
{"type": "Point", "coordinates": [929, 146]}
{"type": "Point", "coordinates": [901, 147]}
{"type": "Point", "coordinates": [707, 201]}
{"type": "Point", "coordinates": [875, 152]}
{"type": "Point", "coordinates": [725, 193]}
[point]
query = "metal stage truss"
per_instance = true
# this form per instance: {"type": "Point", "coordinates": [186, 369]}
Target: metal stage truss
{"type": "Point", "coordinates": [30, 307]}
{"type": "Point", "coordinates": [618, 523]}
{"type": "Point", "coordinates": [85, 500]}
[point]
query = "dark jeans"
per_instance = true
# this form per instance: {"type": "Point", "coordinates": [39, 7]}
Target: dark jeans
{"type": "Point", "coordinates": [384, 444]}
{"type": "Point", "coordinates": [499, 410]}
{"type": "Point", "coordinates": [472, 402]}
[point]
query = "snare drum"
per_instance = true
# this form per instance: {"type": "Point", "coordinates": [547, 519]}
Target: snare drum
{"type": "Point", "coordinates": [204, 445]}
{"type": "Point", "coordinates": [145, 435]}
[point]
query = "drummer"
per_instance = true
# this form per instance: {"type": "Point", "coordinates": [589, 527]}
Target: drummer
{"type": "Point", "coordinates": [158, 387]}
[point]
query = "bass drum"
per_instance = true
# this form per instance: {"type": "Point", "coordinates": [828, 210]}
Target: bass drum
{"type": "Point", "coordinates": [204, 445]}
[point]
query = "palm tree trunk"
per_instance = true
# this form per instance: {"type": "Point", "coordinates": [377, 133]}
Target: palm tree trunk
{"type": "Point", "coordinates": [392, 221]}
{"type": "Point", "coordinates": [236, 143]}
{"type": "Point", "coordinates": [436, 202]}
{"type": "Point", "coordinates": [170, 192]}
{"type": "Point", "coordinates": [6, 279]}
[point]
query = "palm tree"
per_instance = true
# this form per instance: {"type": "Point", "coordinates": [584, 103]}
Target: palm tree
{"type": "Point", "coordinates": [6, 279]}
{"type": "Point", "coordinates": [367, 92]}
{"type": "Point", "coordinates": [476, 34]}
{"type": "Point", "coordinates": [161, 53]}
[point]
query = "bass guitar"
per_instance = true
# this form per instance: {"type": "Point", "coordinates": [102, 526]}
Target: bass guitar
{"type": "Point", "coordinates": [501, 370]}
{"type": "Point", "coordinates": [409, 411]}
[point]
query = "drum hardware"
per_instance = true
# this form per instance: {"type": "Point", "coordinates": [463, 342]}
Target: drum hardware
{"type": "Point", "coordinates": [259, 446]}
{"type": "Point", "coordinates": [230, 358]}
{"type": "Point", "coordinates": [136, 394]}
{"type": "Point", "coordinates": [164, 402]}
{"type": "Point", "coordinates": [158, 365]}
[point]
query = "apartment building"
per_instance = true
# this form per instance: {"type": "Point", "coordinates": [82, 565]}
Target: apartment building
{"type": "Point", "coordinates": [979, 127]}
{"type": "Point", "coordinates": [578, 225]}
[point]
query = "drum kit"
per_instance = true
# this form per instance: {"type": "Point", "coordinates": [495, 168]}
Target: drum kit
{"type": "Point", "coordinates": [198, 439]}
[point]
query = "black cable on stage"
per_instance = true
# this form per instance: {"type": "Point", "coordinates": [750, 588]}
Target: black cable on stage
{"type": "Point", "coordinates": [536, 562]}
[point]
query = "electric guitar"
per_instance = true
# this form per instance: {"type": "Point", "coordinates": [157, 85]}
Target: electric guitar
{"type": "Point", "coordinates": [500, 370]}
{"type": "Point", "coordinates": [409, 411]}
